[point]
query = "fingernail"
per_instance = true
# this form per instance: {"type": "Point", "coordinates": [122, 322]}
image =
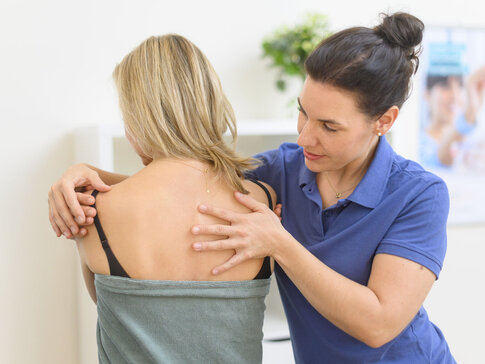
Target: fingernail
{"type": "Point", "coordinates": [203, 208]}
{"type": "Point", "coordinates": [79, 220]}
{"type": "Point", "coordinates": [238, 194]}
{"type": "Point", "coordinates": [215, 271]}
{"type": "Point", "coordinates": [197, 246]}
{"type": "Point", "coordinates": [65, 233]}
{"type": "Point", "coordinates": [195, 229]}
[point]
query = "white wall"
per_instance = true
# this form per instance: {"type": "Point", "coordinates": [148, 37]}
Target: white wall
{"type": "Point", "coordinates": [457, 299]}
{"type": "Point", "coordinates": [56, 58]}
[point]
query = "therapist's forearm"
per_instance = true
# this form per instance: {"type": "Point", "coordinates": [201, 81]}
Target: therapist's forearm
{"type": "Point", "coordinates": [109, 178]}
{"type": "Point", "coordinates": [352, 307]}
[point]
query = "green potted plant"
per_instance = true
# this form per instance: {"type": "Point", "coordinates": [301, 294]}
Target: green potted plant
{"type": "Point", "coordinates": [289, 47]}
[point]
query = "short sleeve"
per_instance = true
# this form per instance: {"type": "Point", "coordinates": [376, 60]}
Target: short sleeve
{"type": "Point", "coordinates": [419, 232]}
{"type": "Point", "coordinates": [269, 163]}
{"type": "Point", "coordinates": [275, 166]}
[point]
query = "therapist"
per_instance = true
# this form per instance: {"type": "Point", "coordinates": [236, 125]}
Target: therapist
{"type": "Point", "coordinates": [363, 232]}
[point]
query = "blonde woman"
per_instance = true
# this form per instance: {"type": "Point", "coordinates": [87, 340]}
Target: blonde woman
{"type": "Point", "coordinates": [157, 300]}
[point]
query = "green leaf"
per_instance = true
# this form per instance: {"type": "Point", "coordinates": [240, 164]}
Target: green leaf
{"type": "Point", "coordinates": [289, 47]}
{"type": "Point", "coordinates": [281, 84]}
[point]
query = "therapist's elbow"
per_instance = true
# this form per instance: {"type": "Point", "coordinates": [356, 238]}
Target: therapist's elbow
{"type": "Point", "coordinates": [379, 327]}
{"type": "Point", "coordinates": [379, 336]}
{"type": "Point", "coordinates": [377, 342]}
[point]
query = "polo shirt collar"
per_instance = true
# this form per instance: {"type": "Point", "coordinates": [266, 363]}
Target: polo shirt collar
{"type": "Point", "coordinates": [369, 191]}
{"type": "Point", "coordinates": [305, 176]}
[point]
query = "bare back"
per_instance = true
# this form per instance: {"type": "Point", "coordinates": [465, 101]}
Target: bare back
{"type": "Point", "coordinates": [148, 218]}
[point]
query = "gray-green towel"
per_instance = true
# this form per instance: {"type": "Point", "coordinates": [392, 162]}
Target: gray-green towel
{"type": "Point", "coordinates": [142, 321]}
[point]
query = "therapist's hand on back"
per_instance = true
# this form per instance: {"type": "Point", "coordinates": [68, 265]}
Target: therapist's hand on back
{"type": "Point", "coordinates": [251, 235]}
{"type": "Point", "coordinates": [70, 210]}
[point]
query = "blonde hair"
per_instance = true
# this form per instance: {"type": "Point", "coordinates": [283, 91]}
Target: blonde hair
{"type": "Point", "coordinates": [173, 105]}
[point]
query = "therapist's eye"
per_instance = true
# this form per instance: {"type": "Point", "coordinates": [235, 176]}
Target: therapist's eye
{"type": "Point", "coordinates": [301, 110]}
{"type": "Point", "coordinates": [328, 128]}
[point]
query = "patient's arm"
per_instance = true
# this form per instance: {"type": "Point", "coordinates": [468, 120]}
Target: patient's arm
{"type": "Point", "coordinates": [88, 275]}
{"type": "Point", "coordinates": [108, 178]}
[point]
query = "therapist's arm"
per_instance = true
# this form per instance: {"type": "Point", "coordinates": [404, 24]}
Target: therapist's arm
{"type": "Point", "coordinates": [373, 314]}
{"type": "Point", "coordinates": [69, 209]}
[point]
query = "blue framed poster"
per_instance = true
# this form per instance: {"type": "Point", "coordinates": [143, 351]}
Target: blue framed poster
{"type": "Point", "coordinates": [452, 116]}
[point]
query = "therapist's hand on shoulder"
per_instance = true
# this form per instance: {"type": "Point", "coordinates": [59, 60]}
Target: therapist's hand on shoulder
{"type": "Point", "coordinates": [251, 235]}
{"type": "Point", "coordinates": [69, 209]}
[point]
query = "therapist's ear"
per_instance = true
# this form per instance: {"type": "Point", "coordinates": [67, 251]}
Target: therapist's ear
{"type": "Point", "coordinates": [385, 122]}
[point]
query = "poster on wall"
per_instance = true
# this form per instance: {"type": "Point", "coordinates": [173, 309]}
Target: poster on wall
{"type": "Point", "coordinates": [452, 116]}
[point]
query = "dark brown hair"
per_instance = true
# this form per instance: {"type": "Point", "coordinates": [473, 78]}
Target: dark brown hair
{"type": "Point", "coordinates": [375, 64]}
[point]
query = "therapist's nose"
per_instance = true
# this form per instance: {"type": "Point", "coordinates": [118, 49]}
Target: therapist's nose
{"type": "Point", "coordinates": [307, 134]}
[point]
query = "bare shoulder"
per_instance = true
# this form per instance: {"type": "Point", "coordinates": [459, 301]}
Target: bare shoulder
{"type": "Point", "coordinates": [258, 193]}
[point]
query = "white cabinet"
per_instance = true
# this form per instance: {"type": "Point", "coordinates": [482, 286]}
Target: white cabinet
{"type": "Point", "coordinates": [106, 147]}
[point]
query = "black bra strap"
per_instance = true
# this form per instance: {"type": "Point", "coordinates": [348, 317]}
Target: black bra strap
{"type": "Point", "coordinates": [265, 271]}
{"type": "Point", "coordinates": [115, 267]}
{"type": "Point", "coordinates": [268, 195]}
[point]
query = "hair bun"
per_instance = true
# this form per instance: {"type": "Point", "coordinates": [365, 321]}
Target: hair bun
{"type": "Point", "coordinates": [401, 29]}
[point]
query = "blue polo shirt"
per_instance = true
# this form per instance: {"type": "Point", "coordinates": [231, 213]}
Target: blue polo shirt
{"type": "Point", "coordinates": [398, 208]}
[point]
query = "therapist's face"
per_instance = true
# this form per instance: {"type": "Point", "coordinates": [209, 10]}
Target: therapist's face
{"type": "Point", "coordinates": [334, 133]}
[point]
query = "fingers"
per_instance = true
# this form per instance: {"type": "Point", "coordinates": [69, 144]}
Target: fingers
{"type": "Point", "coordinates": [224, 244]}
{"type": "Point", "coordinates": [62, 213]}
{"type": "Point", "coordinates": [53, 223]}
{"type": "Point", "coordinates": [75, 199]}
{"type": "Point", "coordinates": [68, 197]}
{"type": "Point", "coordinates": [222, 214]}
{"type": "Point", "coordinates": [277, 210]}
{"type": "Point", "coordinates": [67, 208]}
{"type": "Point", "coordinates": [97, 183]}
{"type": "Point", "coordinates": [85, 199]}
{"type": "Point", "coordinates": [90, 213]}
{"type": "Point", "coordinates": [236, 259]}
{"type": "Point", "coordinates": [56, 219]}
{"type": "Point", "coordinates": [82, 233]}
{"type": "Point", "coordinates": [215, 229]}
{"type": "Point", "coordinates": [250, 202]}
